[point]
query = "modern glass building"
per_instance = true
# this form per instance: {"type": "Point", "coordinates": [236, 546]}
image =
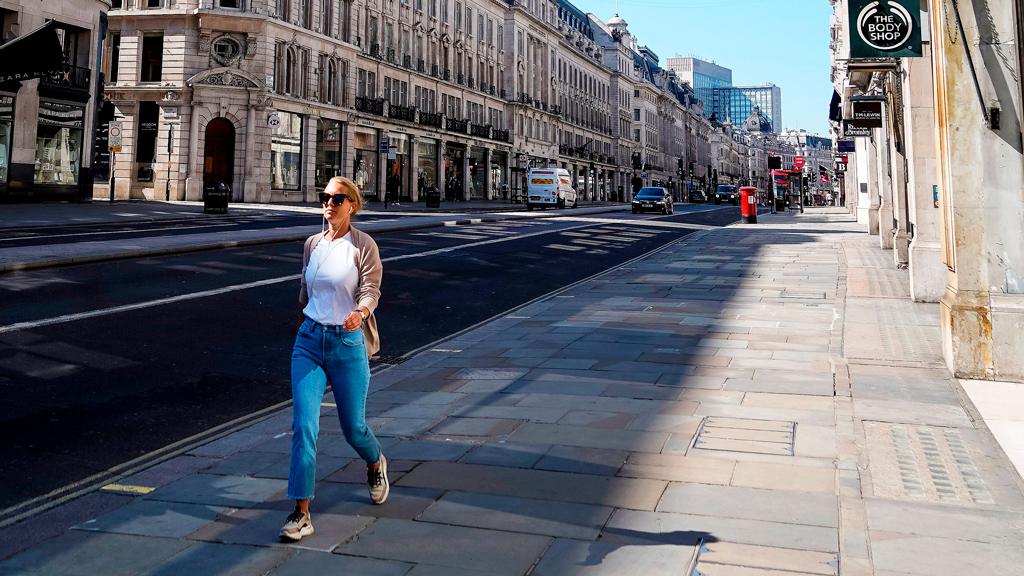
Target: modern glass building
{"type": "Point", "coordinates": [736, 103]}
{"type": "Point", "coordinates": [703, 76]}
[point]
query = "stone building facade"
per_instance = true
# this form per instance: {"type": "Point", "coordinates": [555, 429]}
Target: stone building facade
{"type": "Point", "coordinates": [273, 97]}
{"type": "Point", "coordinates": [940, 183]}
{"type": "Point", "coordinates": [47, 121]}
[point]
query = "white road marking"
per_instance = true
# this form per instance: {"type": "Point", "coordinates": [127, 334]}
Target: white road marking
{"type": "Point", "coordinates": [292, 277]}
{"type": "Point", "coordinates": [73, 234]}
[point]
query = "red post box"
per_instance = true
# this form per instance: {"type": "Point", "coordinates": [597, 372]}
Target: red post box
{"type": "Point", "coordinates": [748, 203]}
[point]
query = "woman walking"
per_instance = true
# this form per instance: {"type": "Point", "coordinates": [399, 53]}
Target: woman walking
{"type": "Point", "coordinates": [340, 287]}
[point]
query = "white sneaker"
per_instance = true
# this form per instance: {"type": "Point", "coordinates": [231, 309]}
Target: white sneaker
{"type": "Point", "coordinates": [378, 481]}
{"type": "Point", "coordinates": [298, 525]}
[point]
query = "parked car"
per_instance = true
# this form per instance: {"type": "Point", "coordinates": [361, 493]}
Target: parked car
{"type": "Point", "coordinates": [698, 195]}
{"type": "Point", "coordinates": [727, 193]}
{"type": "Point", "coordinates": [551, 188]}
{"type": "Point", "coordinates": [653, 199]}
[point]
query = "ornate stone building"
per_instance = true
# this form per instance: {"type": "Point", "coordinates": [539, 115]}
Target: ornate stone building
{"type": "Point", "coordinates": [50, 86]}
{"type": "Point", "coordinates": [274, 97]}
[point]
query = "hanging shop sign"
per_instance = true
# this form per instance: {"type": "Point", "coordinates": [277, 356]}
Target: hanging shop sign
{"type": "Point", "coordinates": [846, 145]}
{"type": "Point", "coordinates": [867, 113]}
{"type": "Point", "coordinates": [885, 28]}
{"type": "Point", "coordinates": [852, 130]}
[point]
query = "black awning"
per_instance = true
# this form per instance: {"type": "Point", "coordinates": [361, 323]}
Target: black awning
{"type": "Point", "coordinates": [835, 110]}
{"type": "Point", "coordinates": [32, 55]}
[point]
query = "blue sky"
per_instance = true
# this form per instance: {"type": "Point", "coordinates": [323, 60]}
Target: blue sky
{"type": "Point", "coordinates": [780, 41]}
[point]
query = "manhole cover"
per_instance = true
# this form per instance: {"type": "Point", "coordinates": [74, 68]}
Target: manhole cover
{"type": "Point", "coordinates": [746, 435]}
{"type": "Point", "coordinates": [928, 463]}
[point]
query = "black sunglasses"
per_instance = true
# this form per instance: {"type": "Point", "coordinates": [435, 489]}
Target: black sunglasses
{"type": "Point", "coordinates": [338, 199]}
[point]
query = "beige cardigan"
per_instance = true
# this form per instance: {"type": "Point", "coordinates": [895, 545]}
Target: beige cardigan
{"type": "Point", "coordinates": [368, 291]}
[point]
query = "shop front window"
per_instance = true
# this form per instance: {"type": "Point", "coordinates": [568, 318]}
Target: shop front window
{"type": "Point", "coordinates": [364, 163]}
{"type": "Point", "coordinates": [6, 134]}
{"type": "Point", "coordinates": [426, 165]}
{"type": "Point", "coordinates": [328, 151]}
{"type": "Point", "coordinates": [397, 155]}
{"type": "Point", "coordinates": [499, 176]}
{"type": "Point", "coordinates": [58, 143]}
{"type": "Point", "coordinates": [478, 172]}
{"type": "Point", "coordinates": [286, 153]}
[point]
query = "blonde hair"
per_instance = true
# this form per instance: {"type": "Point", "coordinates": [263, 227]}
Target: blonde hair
{"type": "Point", "coordinates": [350, 190]}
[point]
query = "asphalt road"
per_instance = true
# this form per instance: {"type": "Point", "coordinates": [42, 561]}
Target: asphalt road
{"type": "Point", "coordinates": [85, 388]}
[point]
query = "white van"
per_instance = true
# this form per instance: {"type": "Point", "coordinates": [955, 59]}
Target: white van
{"type": "Point", "coordinates": [549, 187]}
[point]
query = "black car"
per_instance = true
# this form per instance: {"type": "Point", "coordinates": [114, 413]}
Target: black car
{"type": "Point", "coordinates": [698, 195]}
{"type": "Point", "coordinates": [653, 199]}
{"type": "Point", "coordinates": [727, 193]}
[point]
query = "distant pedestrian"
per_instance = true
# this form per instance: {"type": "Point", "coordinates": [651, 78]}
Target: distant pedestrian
{"type": "Point", "coordinates": [340, 288]}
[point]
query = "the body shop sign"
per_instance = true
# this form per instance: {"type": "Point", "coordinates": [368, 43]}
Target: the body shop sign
{"type": "Point", "coordinates": [885, 28]}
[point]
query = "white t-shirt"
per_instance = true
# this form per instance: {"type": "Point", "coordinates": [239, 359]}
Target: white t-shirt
{"type": "Point", "coordinates": [332, 279]}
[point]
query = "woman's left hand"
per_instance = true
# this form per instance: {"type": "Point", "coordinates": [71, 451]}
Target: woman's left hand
{"type": "Point", "coordinates": [353, 321]}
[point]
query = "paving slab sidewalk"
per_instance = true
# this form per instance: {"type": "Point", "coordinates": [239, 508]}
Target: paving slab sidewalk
{"type": "Point", "coordinates": [664, 446]}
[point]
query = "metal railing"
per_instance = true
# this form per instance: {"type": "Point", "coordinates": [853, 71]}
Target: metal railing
{"type": "Point", "coordinates": [456, 125]}
{"type": "Point", "coordinates": [73, 77]}
{"type": "Point", "coordinates": [481, 130]}
{"type": "Point", "coordinates": [430, 119]}
{"type": "Point", "coordinates": [407, 113]}
{"type": "Point", "coordinates": [370, 105]}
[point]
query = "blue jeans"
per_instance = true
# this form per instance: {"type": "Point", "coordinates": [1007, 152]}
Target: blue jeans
{"type": "Point", "coordinates": [325, 354]}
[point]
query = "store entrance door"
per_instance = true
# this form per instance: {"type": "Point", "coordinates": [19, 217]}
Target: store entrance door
{"type": "Point", "coordinates": [219, 154]}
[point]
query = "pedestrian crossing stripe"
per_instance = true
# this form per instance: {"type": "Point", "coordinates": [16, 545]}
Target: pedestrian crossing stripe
{"type": "Point", "coordinates": [128, 489]}
{"type": "Point", "coordinates": [328, 405]}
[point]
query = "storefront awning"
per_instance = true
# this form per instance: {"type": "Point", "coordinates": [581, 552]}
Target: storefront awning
{"type": "Point", "coordinates": [835, 111]}
{"type": "Point", "coordinates": [32, 55]}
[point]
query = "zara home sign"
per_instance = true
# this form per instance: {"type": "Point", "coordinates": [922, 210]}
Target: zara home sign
{"type": "Point", "coordinates": [885, 28]}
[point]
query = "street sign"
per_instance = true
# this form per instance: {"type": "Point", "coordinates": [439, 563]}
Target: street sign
{"type": "Point", "coordinates": [798, 161]}
{"type": "Point", "coordinates": [885, 28]}
{"type": "Point", "coordinates": [274, 120]}
{"type": "Point", "coordinates": [851, 130]}
{"type": "Point", "coordinates": [644, 175]}
{"type": "Point", "coordinates": [867, 113]}
{"type": "Point", "coordinates": [846, 145]}
{"type": "Point", "coordinates": [384, 145]}
{"type": "Point", "coordinates": [114, 136]}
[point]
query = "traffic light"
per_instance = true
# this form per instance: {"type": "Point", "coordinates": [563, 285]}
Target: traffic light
{"type": "Point", "coordinates": [637, 165]}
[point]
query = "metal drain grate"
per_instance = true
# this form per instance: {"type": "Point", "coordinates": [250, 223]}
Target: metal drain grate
{"type": "Point", "coordinates": [746, 435]}
{"type": "Point", "coordinates": [389, 360]}
{"type": "Point", "coordinates": [927, 463]}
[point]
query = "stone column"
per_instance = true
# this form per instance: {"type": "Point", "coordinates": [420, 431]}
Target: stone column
{"type": "Point", "coordinates": [488, 193]}
{"type": "Point", "coordinates": [885, 187]}
{"type": "Point", "coordinates": [927, 272]}
{"type": "Point", "coordinates": [980, 176]}
{"type": "Point", "coordinates": [466, 176]}
{"type": "Point", "coordinates": [414, 171]}
{"type": "Point", "coordinates": [441, 182]}
{"type": "Point", "coordinates": [194, 182]}
{"type": "Point", "coordinates": [249, 186]}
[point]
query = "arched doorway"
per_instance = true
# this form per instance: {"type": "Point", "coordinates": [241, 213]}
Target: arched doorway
{"type": "Point", "coordinates": [219, 155]}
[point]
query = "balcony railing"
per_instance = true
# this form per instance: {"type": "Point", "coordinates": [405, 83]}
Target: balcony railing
{"type": "Point", "coordinates": [391, 55]}
{"type": "Point", "coordinates": [375, 50]}
{"type": "Point", "coordinates": [460, 78]}
{"type": "Point", "coordinates": [456, 125]}
{"type": "Point", "coordinates": [490, 90]}
{"type": "Point", "coordinates": [503, 94]}
{"type": "Point", "coordinates": [421, 66]}
{"type": "Point", "coordinates": [470, 83]}
{"type": "Point", "coordinates": [501, 135]}
{"type": "Point", "coordinates": [407, 61]}
{"type": "Point", "coordinates": [370, 105]}
{"type": "Point", "coordinates": [70, 77]}
{"type": "Point", "coordinates": [430, 119]}
{"type": "Point", "coordinates": [482, 131]}
{"type": "Point", "coordinates": [447, 73]}
{"type": "Point", "coordinates": [407, 113]}
{"type": "Point", "coordinates": [556, 110]}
